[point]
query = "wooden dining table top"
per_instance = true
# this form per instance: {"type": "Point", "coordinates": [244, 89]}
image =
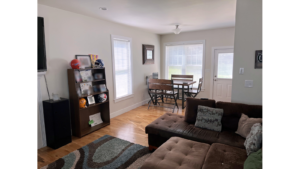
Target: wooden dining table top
{"type": "Point", "coordinates": [183, 82]}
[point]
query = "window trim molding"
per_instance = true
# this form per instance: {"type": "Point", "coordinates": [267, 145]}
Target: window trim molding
{"type": "Point", "coordinates": [112, 37]}
{"type": "Point", "coordinates": [186, 43]}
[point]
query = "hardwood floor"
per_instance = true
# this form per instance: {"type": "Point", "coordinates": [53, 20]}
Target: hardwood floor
{"type": "Point", "coordinates": [129, 126]}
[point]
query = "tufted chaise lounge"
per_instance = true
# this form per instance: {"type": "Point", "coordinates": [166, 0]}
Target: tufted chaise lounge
{"type": "Point", "coordinates": [181, 153]}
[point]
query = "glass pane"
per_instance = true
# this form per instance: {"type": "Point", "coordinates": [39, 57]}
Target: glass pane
{"type": "Point", "coordinates": [122, 85]}
{"type": "Point", "coordinates": [122, 68]}
{"type": "Point", "coordinates": [185, 59]}
{"type": "Point", "coordinates": [196, 71]}
{"type": "Point", "coordinates": [225, 65]}
{"type": "Point", "coordinates": [177, 70]}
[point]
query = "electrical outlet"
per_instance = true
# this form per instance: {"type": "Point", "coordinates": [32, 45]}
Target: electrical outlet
{"type": "Point", "coordinates": [248, 83]}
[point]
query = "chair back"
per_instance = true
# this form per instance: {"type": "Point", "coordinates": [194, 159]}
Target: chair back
{"type": "Point", "coordinates": [160, 84]}
{"type": "Point", "coordinates": [182, 77]}
{"type": "Point", "coordinates": [199, 85]}
{"type": "Point", "coordinates": [155, 75]}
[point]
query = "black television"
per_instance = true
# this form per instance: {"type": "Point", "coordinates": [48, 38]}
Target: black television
{"type": "Point", "coordinates": [41, 56]}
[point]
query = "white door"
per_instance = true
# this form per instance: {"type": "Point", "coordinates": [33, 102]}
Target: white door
{"type": "Point", "coordinates": [222, 80]}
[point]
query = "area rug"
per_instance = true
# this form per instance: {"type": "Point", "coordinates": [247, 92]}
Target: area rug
{"type": "Point", "coordinates": [106, 152]}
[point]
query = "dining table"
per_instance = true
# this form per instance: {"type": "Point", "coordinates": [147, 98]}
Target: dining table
{"type": "Point", "coordinates": [182, 83]}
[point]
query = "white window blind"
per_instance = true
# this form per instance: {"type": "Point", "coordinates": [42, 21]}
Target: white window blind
{"type": "Point", "coordinates": [122, 67]}
{"type": "Point", "coordinates": [185, 59]}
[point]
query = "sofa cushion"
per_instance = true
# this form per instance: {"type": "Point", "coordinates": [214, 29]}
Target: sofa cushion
{"type": "Point", "coordinates": [221, 156]}
{"type": "Point", "coordinates": [254, 139]}
{"type": "Point", "coordinates": [191, 109]}
{"type": "Point", "coordinates": [232, 139]}
{"type": "Point", "coordinates": [169, 125]}
{"type": "Point", "coordinates": [233, 112]}
{"type": "Point", "coordinates": [177, 153]}
{"type": "Point", "coordinates": [245, 124]}
{"type": "Point", "coordinates": [209, 118]}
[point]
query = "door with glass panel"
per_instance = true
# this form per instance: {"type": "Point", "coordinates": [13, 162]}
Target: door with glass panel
{"type": "Point", "coordinates": [222, 80]}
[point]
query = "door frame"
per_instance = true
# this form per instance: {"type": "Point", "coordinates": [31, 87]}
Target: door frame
{"type": "Point", "coordinates": [213, 50]}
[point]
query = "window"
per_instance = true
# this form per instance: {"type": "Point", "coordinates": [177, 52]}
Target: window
{"type": "Point", "coordinates": [185, 58]}
{"type": "Point", "coordinates": [122, 67]}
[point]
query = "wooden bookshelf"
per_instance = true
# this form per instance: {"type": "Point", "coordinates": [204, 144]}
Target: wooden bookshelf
{"type": "Point", "coordinates": [80, 116]}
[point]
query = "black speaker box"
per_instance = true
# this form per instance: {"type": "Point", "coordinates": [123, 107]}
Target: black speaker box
{"type": "Point", "coordinates": [57, 122]}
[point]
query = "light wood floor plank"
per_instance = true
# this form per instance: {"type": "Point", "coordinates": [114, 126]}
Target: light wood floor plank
{"type": "Point", "coordinates": [129, 126]}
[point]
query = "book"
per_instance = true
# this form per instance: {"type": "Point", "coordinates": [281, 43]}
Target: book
{"type": "Point", "coordinates": [103, 88]}
{"type": "Point", "coordinates": [77, 76]}
{"type": "Point", "coordinates": [98, 76]}
{"type": "Point", "coordinates": [95, 119]}
{"type": "Point", "coordinates": [86, 75]}
{"type": "Point", "coordinates": [86, 88]}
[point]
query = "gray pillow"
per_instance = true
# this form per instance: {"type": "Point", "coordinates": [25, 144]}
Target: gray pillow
{"type": "Point", "coordinates": [253, 140]}
{"type": "Point", "coordinates": [209, 118]}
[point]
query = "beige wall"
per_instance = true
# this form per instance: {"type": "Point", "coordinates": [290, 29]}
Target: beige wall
{"type": "Point", "coordinates": [248, 38]}
{"type": "Point", "coordinates": [213, 38]}
{"type": "Point", "coordinates": [68, 34]}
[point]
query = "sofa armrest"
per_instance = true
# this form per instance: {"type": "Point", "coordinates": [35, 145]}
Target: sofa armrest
{"type": "Point", "coordinates": [192, 107]}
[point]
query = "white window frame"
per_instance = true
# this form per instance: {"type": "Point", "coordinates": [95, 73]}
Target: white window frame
{"type": "Point", "coordinates": [186, 43]}
{"type": "Point", "coordinates": [113, 61]}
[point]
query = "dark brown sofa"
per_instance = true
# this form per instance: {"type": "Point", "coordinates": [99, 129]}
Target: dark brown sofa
{"type": "Point", "coordinates": [169, 125]}
{"type": "Point", "coordinates": [182, 145]}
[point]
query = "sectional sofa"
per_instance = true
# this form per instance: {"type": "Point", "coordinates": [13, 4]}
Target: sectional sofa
{"type": "Point", "coordinates": [195, 147]}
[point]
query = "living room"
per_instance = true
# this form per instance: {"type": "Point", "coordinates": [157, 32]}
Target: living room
{"type": "Point", "coordinates": [154, 84]}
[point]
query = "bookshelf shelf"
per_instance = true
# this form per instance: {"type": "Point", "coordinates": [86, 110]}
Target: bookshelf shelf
{"type": "Point", "coordinates": [93, 105]}
{"type": "Point", "coordinates": [95, 93]}
{"type": "Point", "coordinates": [80, 116]}
{"type": "Point", "coordinates": [92, 81]}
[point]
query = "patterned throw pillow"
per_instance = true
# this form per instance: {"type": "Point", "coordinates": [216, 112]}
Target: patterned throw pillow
{"type": "Point", "coordinates": [209, 118]}
{"type": "Point", "coordinates": [253, 141]}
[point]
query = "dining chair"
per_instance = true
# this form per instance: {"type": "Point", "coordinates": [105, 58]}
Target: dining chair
{"type": "Point", "coordinates": [194, 93]}
{"type": "Point", "coordinates": [161, 87]}
{"type": "Point", "coordinates": [183, 78]}
{"type": "Point", "coordinates": [155, 75]}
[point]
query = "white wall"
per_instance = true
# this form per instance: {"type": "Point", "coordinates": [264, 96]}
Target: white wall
{"type": "Point", "coordinates": [213, 38]}
{"type": "Point", "coordinates": [248, 38]}
{"type": "Point", "coordinates": [68, 34]}
{"type": "Point", "coordinates": [39, 141]}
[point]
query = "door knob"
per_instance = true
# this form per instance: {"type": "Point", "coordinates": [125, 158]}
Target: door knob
{"type": "Point", "coordinates": [215, 79]}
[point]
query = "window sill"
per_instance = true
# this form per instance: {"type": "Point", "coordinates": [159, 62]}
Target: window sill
{"type": "Point", "coordinates": [123, 98]}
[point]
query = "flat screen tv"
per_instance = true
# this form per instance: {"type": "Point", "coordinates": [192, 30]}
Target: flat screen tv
{"type": "Point", "coordinates": [41, 56]}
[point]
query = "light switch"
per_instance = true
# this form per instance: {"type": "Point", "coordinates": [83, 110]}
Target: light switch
{"type": "Point", "coordinates": [248, 83]}
{"type": "Point", "coordinates": [241, 71]}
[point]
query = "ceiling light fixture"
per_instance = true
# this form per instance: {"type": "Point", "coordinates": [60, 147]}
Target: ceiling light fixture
{"type": "Point", "coordinates": [103, 8]}
{"type": "Point", "coordinates": [177, 30]}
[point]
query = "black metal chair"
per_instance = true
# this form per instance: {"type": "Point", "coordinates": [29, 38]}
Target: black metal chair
{"type": "Point", "coordinates": [182, 78]}
{"type": "Point", "coordinates": [193, 93]}
{"type": "Point", "coordinates": [161, 87]}
{"type": "Point", "coordinates": [154, 76]}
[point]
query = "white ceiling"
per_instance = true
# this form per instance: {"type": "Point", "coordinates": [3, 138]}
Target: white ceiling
{"type": "Point", "coordinates": [157, 16]}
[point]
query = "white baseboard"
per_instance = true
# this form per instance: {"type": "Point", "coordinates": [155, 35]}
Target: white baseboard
{"type": "Point", "coordinates": [119, 112]}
